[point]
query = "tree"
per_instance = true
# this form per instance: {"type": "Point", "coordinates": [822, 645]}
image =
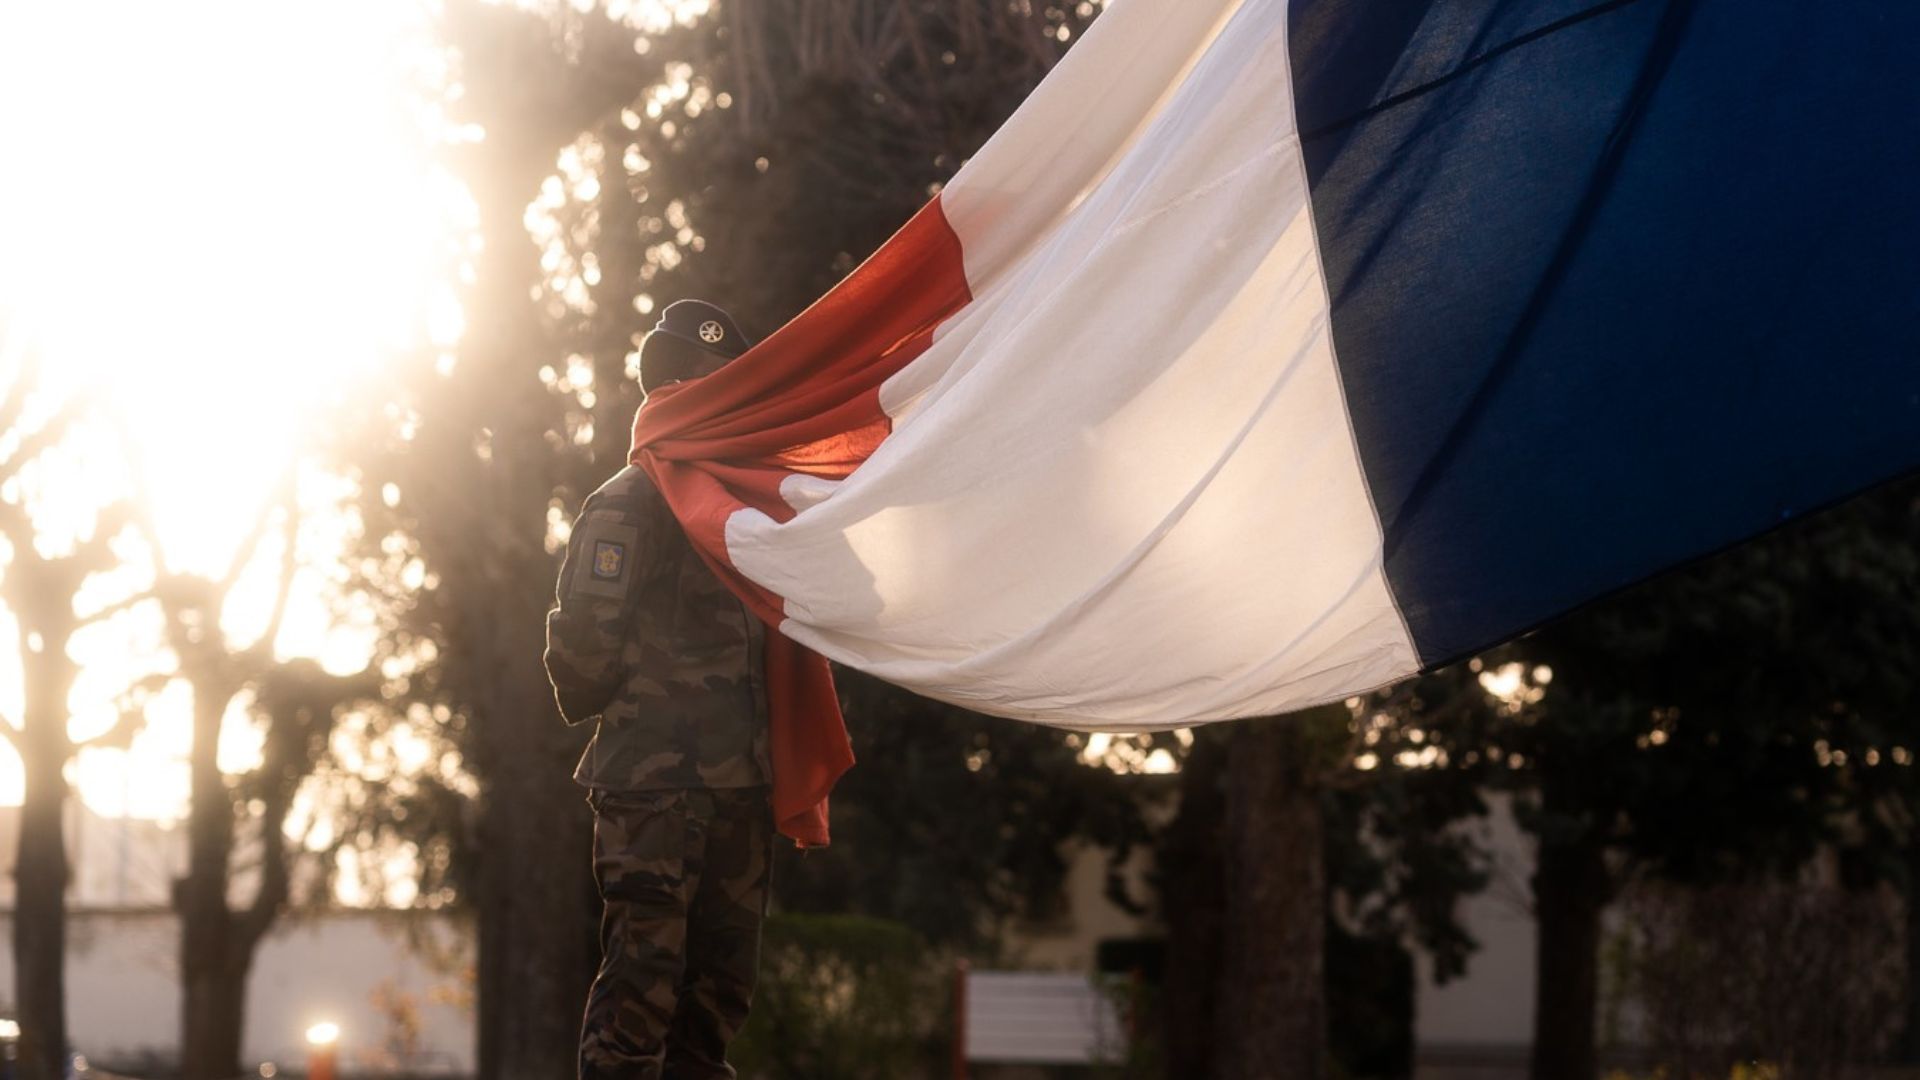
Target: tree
{"type": "Point", "coordinates": [1867, 749]}
{"type": "Point", "coordinates": [1271, 1012]}
{"type": "Point", "coordinates": [1333, 826]}
{"type": "Point", "coordinates": [1721, 723]}
{"type": "Point", "coordinates": [1687, 730]}
{"type": "Point", "coordinates": [43, 576]}
{"type": "Point", "coordinates": [298, 701]}
{"type": "Point", "coordinates": [473, 466]}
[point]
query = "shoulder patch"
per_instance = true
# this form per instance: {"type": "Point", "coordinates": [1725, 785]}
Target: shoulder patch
{"type": "Point", "coordinates": [609, 559]}
{"type": "Point", "coordinates": [607, 549]}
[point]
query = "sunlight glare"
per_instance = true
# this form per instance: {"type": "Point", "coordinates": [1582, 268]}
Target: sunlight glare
{"type": "Point", "coordinates": [221, 219]}
{"type": "Point", "coordinates": [231, 228]}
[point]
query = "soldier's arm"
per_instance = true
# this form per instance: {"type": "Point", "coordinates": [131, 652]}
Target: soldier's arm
{"type": "Point", "coordinates": [586, 630]}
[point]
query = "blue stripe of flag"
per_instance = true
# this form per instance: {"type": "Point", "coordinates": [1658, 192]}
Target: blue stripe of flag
{"type": "Point", "coordinates": [1614, 285]}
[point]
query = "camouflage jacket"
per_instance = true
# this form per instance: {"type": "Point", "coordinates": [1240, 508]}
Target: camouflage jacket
{"type": "Point", "coordinates": [648, 640]}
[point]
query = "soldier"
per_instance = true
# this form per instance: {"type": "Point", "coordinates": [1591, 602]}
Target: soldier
{"type": "Point", "coordinates": [648, 640]}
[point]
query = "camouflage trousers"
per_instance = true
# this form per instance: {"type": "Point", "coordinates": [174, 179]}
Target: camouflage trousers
{"type": "Point", "coordinates": [684, 875]}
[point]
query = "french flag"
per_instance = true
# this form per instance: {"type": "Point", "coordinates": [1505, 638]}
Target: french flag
{"type": "Point", "coordinates": [1275, 351]}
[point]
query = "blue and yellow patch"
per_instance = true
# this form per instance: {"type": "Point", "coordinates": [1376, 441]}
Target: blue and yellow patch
{"type": "Point", "coordinates": [603, 552]}
{"type": "Point", "coordinates": [609, 560]}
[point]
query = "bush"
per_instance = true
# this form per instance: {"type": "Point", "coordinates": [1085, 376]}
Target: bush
{"type": "Point", "coordinates": [842, 997]}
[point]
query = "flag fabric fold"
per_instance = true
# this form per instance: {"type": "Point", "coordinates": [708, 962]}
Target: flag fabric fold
{"type": "Point", "coordinates": [1275, 351]}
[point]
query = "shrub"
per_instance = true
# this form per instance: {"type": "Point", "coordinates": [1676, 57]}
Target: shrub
{"type": "Point", "coordinates": [842, 997]}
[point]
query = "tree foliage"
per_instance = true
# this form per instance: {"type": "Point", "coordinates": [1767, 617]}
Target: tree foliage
{"type": "Point", "coordinates": [1726, 722]}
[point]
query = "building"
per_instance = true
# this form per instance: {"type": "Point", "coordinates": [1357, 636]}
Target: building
{"type": "Point", "coordinates": [398, 983]}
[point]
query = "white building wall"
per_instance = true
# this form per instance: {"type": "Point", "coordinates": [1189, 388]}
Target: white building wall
{"type": "Point", "coordinates": [1479, 1026]}
{"type": "Point", "coordinates": [123, 994]}
{"type": "Point", "coordinates": [123, 989]}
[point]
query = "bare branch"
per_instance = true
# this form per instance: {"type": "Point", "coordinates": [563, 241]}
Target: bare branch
{"type": "Point", "coordinates": [115, 608]}
{"type": "Point", "coordinates": [17, 527]}
{"type": "Point", "coordinates": [250, 547]}
{"type": "Point", "coordinates": [132, 714]}
{"type": "Point", "coordinates": [96, 554]}
{"type": "Point", "coordinates": [9, 732]}
{"type": "Point", "coordinates": [140, 500]}
{"type": "Point", "coordinates": [17, 392]}
{"type": "Point", "coordinates": [245, 552]}
{"type": "Point", "coordinates": [302, 685]}
{"type": "Point", "coordinates": [119, 736]}
{"type": "Point", "coordinates": [300, 699]}
{"type": "Point", "coordinates": [49, 433]}
{"type": "Point", "coordinates": [289, 565]}
{"type": "Point", "coordinates": [258, 917]}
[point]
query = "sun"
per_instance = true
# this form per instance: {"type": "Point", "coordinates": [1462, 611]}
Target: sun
{"type": "Point", "coordinates": [231, 216]}
{"type": "Point", "coordinates": [223, 222]}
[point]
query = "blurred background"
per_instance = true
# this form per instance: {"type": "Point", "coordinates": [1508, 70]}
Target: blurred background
{"type": "Point", "coordinates": [317, 321]}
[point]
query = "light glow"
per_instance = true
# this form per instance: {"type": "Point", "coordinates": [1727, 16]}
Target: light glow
{"type": "Point", "coordinates": [231, 225]}
{"type": "Point", "coordinates": [224, 221]}
{"type": "Point", "coordinates": [323, 1034]}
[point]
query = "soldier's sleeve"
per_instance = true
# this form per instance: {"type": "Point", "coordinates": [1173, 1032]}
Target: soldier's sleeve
{"type": "Point", "coordinates": [586, 630]}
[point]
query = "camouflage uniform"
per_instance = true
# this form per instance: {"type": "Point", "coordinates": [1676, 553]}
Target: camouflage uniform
{"type": "Point", "coordinates": [649, 641]}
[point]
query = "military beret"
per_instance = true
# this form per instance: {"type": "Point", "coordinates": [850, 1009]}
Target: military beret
{"type": "Point", "coordinates": [703, 325]}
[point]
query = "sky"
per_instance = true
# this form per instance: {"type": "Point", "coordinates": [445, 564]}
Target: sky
{"type": "Point", "coordinates": [222, 220]}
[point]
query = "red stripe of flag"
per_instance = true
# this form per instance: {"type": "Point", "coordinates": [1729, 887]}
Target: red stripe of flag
{"type": "Point", "coordinates": [804, 401]}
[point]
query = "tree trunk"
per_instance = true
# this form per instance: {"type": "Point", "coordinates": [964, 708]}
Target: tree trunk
{"type": "Point", "coordinates": [538, 910]}
{"type": "Point", "coordinates": [40, 918]}
{"type": "Point", "coordinates": [1909, 1053]}
{"type": "Point", "coordinates": [40, 868]}
{"type": "Point", "coordinates": [1570, 890]}
{"type": "Point", "coordinates": [482, 522]}
{"type": "Point", "coordinates": [217, 940]}
{"type": "Point", "coordinates": [1192, 875]}
{"type": "Point", "coordinates": [213, 1019]}
{"type": "Point", "coordinates": [212, 978]}
{"type": "Point", "coordinates": [1271, 1000]}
